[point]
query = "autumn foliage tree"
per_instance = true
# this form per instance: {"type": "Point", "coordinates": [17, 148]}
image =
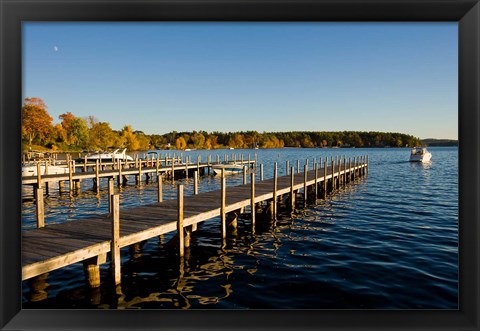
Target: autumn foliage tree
{"type": "Point", "coordinates": [36, 122]}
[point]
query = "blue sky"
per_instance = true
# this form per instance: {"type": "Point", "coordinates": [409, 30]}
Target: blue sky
{"type": "Point", "coordinates": [160, 77]}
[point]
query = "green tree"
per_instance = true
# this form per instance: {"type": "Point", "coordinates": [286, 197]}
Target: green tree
{"type": "Point", "coordinates": [101, 135]}
{"type": "Point", "coordinates": [79, 134]}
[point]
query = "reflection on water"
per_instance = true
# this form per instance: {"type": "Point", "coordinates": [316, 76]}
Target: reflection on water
{"type": "Point", "coordinates": [389, 241]}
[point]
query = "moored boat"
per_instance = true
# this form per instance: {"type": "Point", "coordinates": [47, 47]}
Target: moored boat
{"type": "Point", "coordinates": [420, 154]}
{"type": "Point", "coordinates": [110, 156]}
{"type": "Point", "coordinates": [32, 170]}
{"type": "Point", "coordinates": [229, 168]}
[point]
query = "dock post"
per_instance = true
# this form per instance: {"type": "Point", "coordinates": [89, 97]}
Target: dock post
{"type": "Point", "coordinates": [157, 167]}
{"type": "Point", "coordinates": [218, 159]}
{"type": "Point", "coordinates": [110, 193]}
{"type": "Point", "coordinates": [61, 184]}
{"type": "Point", "coordinates": [180, 230]}
{"type": "Point", "coordinates": [91, 269]}
{"type": "Point", "coordinates": [298, 166]}
{"type": "Point", "coordinates": [85, 164]}
{"type": "Point", "coordinates": [325, 178]}
{"type": "Point", "coordinates": [252, 199]}
{"type": "Point", "coordinates": [195, 182]}
{"type": "Point", "coordinates": [315, 166]}
{"type": "Point", "coordinates": [305, 191]}
{"type": "Point", "coordinates": [119, 178]}
{"type": "Point", "coordinates": [186, 170]}
{"type": "Point", "coordinates": [70, 177]}
{"type": "Point", "coordinates": [354, 167]}
{"type": "Point", "coordinates": [363, 163]}
{"type": "Point", "coordinates": [46, 173]}
{"type": "Point", "coordinates": [39, 175]}
{"type": "Point", "coordinates": [292, 194]}
{"type": "Point", "coordinates": [275, 187]}
{"type": "Point", "coordinates": [140, 172]}
{"type": "Point", "coordinates": [160, 189]}
{"type": "Point", "coordinates": [344, 170]}
{"type": "Point", "coordinates": [333, 174]}
{"type": "Point", "coordinates": [97, 176]}
{"type": "Point", "coordinates": [244, 175]}
{"type": "Point", "coordinates": [222, 206]}
{"type": "Point", "coordinates": [193, 227]}
{"type": "Point", "coordinates": [40, 210]}
{"type": "Point", "coordinates": [349, 169]}
{"type": "Point", "coordinates": [261, 171]}
{"type": "Point", "coordinates": [173, 171]}
{"type": "Point", "coordinates": [287, 166]}
{"type": "Point", "coordinates": [339, 167]}
{"type": "Point", "coordinates": [115, 243]}
{"type": "Point", "coordinates": [77, 186]}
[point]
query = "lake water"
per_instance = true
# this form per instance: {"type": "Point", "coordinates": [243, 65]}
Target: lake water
{"type": "Point", "coordinates": [387, 241]}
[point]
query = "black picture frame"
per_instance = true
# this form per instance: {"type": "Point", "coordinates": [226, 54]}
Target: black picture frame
{"type": "Point", "coordinates": [466, 13]}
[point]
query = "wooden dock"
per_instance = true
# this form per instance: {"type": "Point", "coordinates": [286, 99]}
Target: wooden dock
{"type": "Point", "coordinates": [96, 171]}
{"type": "Point", "coordinates": [89, 240]}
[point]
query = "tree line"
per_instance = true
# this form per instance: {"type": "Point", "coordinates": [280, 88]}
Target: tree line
{"type": "Point", "coordinates": [74, 133]}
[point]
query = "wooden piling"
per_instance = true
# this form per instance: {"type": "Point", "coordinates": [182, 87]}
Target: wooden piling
{"type": "Point", "coordinates": [305, 191]}
{"type": "Point", "coordinates": [110, 193]}
{"type": "Point", "coordinates": [39, 208]}
{"type": "Point", "coordinates": [252, 198]}
{"type": "Point", "coordinates": [181, 234]}
{"type": "Point", "coordinates": [115, 242]}
{"type": "Point", "coordinates": [195, 182]}
{"type": "Point", "coordinates": [261, 172]}
{"type": "Point", "coordinates": [325, 178]}
{"type": "Point", "coordinates": [91, 269]}
{"type": "Point", "coordinates": [140, 172]}
{"type": "Point", "coordinates": [287, 167]}
{"type": "Point", "coordinates": [39, 175]}
{"type": "Point", "coordinates": [173, 171]}
{"type": "Point", "coordinates": [159, 188]}
{"type": "Point", "coordinates": [292, 193]}
{"type": "Point", "coordinates": [333, 174]}
{"type": "Point", "coordinates": [70, 177]}
{"type": "Point", "coordinates": [354, 167]}
{"type": "Point", "coordinates": [298, 166]}
{"type": "Point", "coordinates": [97, 176]}
{"type": "Point", "coordinates": [244, 175]}
{"type": "Point", "coordinates": [315, 167]}
{"type": "Point", "coordinates": [275, 187]}
{"type": "Point", "coordinates": [119, 178]}
{"type": "Point", "coordinates": [222, 205]}
{"type": "Point", "coordinates": [46, 173]}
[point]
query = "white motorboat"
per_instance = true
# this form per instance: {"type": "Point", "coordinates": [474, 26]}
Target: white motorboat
{"type": "Point", "coordinates": [110, 156]}
{"type": "Point", "coordinates": [31, 170]}
{"type": "Point", "coordinates": [232, 168]}
{"type": "Point", "coordinates": [420, 154]}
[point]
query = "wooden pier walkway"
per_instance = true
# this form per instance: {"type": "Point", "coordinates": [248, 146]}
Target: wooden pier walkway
{"type": "Point", "coordinates": [89, 240]}
{"type": "Point", "coordinates": [138, 169]}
